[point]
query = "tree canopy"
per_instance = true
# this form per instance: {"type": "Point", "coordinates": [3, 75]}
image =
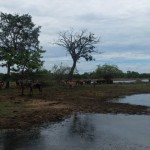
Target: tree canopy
{"type": "Point", "coordinates": [108, 71]}
{"type": "Point", "coordinates": [19, 44]}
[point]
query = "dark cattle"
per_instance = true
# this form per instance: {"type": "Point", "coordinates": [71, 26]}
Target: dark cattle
{"type": "Point", "coordinates": [101, 81]}
{"type": "Point", "coordinates": [36, 85]}
{"type": "Point", "coordinates": [109, 81]}
{"type": "Point", "coordinates": [22, 84]}
{"type": "Point", "coordinates": [87, 81]}
{"type": "Point", "coordinates": [94, 82]}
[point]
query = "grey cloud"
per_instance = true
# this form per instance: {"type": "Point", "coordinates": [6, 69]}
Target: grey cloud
{"type": "Point", "coordinates": [122, 25]}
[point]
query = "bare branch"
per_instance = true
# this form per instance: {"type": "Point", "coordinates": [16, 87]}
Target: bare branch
{"type": "Point", "coordinates": [78, 45]}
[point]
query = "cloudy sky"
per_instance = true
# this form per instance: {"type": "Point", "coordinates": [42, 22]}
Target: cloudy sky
{"type": "Point", "coordinates": [122, 25]}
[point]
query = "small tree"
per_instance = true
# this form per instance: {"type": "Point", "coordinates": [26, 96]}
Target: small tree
{"type": "Point", "coordinates": [19, 44]}
{"type": "Point", "coordinates": [132, 74]}
{"type": "Point", "coordinates": [108, 71]}
{"type": "Point", "coordinates": [78, 45]}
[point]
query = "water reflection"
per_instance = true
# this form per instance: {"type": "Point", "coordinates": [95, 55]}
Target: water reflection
{"type": "Point", "coordinates": [83, 131]}
{"type": "Point", "coordinates": [82, 126]}
{"type": "Point", "coordinates": [13, 140]}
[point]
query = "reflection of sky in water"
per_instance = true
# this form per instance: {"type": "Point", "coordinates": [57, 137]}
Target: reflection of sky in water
{"type": "Point", "coordinates": [84, 131]}
{"type": "Point", "coordinates": [138, 99]}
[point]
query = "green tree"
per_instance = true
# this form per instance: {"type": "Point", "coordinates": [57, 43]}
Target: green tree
{"type": "Point", "coordinates": [108, 71]}
{"type": "Point", "coordinates": [78, 45]}
{"type": "Point", "coordinates": [86, 75]}
{"type": "Point", "coordinates": [19, 44]}
{"type": "Point", "coordinates": [132, 74]}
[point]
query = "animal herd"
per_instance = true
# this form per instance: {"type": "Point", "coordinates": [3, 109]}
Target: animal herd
{"type": "Point", "coordinates": [21, 85]}
{"type": "Point", "coordinates": [94, 82]}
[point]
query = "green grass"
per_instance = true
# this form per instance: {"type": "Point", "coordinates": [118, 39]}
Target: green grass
{"type": "Point", "coordinates": [9, 109]}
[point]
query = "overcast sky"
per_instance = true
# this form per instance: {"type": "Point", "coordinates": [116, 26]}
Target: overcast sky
{"type": "Point", "coordinates": [122, 25]}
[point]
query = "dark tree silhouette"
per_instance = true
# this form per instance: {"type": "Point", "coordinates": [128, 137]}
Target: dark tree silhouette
{"type": "Point", "coordinates": [79, 45]}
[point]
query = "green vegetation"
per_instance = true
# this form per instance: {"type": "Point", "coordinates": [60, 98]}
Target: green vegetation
{"type": "Point", "coordinates": [108, 72]}
{"type": "Point", "coordinates": [60, 72]}
{"type": "Point", "coordinates": [9, 109]}
{"type": "Point", "coordinates": [19, 44]}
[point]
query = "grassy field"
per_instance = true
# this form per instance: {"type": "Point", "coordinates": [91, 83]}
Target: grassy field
{"type": "Point", "coordinates": [56, 102]}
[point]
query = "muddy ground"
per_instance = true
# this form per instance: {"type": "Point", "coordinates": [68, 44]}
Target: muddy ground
{"type": "Point", "coordinates": [56, 103]}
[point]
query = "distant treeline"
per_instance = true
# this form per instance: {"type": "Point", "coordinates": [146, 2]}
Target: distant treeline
{"type": "Point", "coordinates": [128, 74]}
{"type": "Point", "coordinates": [61, 73]}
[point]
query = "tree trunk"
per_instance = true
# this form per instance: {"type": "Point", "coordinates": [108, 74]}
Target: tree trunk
{"type": "Point", "coordinates": [72, 70]}
{"type": "Point", "coordinates": [8, 76]}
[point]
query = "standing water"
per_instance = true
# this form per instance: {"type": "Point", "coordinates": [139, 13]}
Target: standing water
{"type": "Point", "coordinates": [137, 99]}
{"type": "Point", "coordinates": [84, 132]}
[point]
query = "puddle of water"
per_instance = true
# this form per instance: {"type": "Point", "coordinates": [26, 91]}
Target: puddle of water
{"type": "Point", "coordinates": [137, 99]}
{"type": "Point", "coordinates": [84, 131]}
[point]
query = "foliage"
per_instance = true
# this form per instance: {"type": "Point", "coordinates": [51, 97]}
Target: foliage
{"type": "Point", "coordinates": [19, 44]}
{"type": "Point", "coordinates": [1, 76]}
{"type": "Point", "coordinates": [86, 75]}
{"type": "Point", "coordinates": [145, 75]}
{"type": "Point", "coordinates": [42, 75]}
{"type": "Point", "coordinates": [132, 74]}
{"type": "Point", "coordinates": [108, 71]}
{"type": "Point", "coordinates": [78, 45]}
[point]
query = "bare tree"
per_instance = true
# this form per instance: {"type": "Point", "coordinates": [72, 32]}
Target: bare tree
{"type": "Point", "coordinates": [79, 45]}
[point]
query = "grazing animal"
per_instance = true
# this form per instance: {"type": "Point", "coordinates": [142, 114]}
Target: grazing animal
{"type": "Point", "coordinates": [63, 82]}
{"type": "Point", "coordinates": [88, 82]}
{"type": "Point", "coordinates": [79, 82]}
{"type": "Point", "coordinates": [94, 83]}
{"type": "Point", "coordinates": [36, 85]}
{"type": "Point", "coordinates": [69, 83]}
{"type": "Point", "coordinates": [101, 81]}
{"type": "Point", "coordinates": [72, 83]}
{"type": "Point", "coordinates": [22, 84]}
